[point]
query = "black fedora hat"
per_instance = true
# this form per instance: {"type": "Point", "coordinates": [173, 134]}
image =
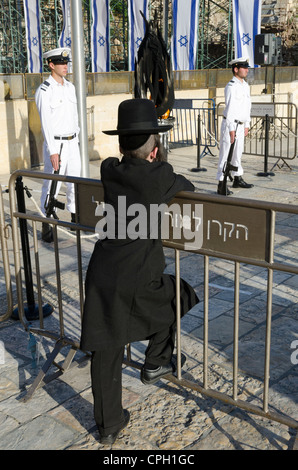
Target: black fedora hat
{"type": "Point", "coordinates": [137, 116]}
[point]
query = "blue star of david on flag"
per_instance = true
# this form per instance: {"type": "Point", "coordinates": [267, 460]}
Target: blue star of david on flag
{"type": "Point", "coordinates": [183, 41]}
{"type": "Point", "coordinates": [245, 39]}
{"type": "Point", "coordinates": [101, 41]}
{"type": "Point", "coordinates": [138, 42]}
{"type": "Point", "coordinates": [68, 41]}
{"type": "Point", "coordinates": [34, 41]}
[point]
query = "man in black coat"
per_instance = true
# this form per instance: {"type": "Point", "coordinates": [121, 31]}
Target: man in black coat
{"type": "Point", "coordinates": [128, 297]}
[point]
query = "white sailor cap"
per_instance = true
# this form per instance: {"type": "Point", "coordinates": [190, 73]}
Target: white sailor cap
{"type": "Point", "coordinates": [58, 56]}
{"type": "Point", "coordinates": [240, 62]}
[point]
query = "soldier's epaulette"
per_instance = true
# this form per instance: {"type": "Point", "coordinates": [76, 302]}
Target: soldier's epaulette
{"type": "Point", "coordinates": [45, 86]}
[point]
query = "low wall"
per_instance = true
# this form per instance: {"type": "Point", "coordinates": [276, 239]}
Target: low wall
{"type": "Point", "coordinates": [105, 118]}
{"type": "Point", "coordinates": [14, 136]}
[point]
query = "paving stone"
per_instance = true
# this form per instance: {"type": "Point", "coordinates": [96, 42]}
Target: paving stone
{"type": "Point", "coordinates": [42, 433]}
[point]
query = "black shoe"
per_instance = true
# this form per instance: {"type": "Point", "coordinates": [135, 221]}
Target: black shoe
{"type": "Point", "coordinates": [240, 183]}
{"type": "Point", "coordinates": [73, 221]}
{"type": "Point", "coordinates": [111, 438]}
{"type": "Point", "coordinates": [47, 233]}
{"type": "Point", "coordinates": [219, 189]}
{"type": "Point", "coordinates": [150, 376]}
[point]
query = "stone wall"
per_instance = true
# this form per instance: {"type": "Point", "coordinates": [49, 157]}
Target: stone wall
{"type": "Point", "coordinates": [14, 136]}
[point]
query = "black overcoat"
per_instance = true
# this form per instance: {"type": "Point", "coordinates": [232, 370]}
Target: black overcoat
{"type": "Point", "coordinates": [127, 295]}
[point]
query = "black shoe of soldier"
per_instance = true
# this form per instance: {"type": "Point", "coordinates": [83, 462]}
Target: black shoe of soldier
{"type": "Point", "coordinates": [219, 189]}
{"type": "Point", "coordinates": [73, 221]}
{"type": "Point", "coordinates": [47, 233]}
{"type": "Point", "coordinates": [240, 183]}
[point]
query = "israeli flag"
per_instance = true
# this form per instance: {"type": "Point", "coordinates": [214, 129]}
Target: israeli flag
{"type": "Point", "coordinates": [100, 36]}
{"type": "Point", "coordinates": [247, 24]}
{"type": "Point", "coordinates": [33, 35]}
{"type": "Point", "coordinates": [65, 36]}
{"type": "Point", "coordinates": [137, 27]}
{"type": "Point", "coordinates": [184, 44]}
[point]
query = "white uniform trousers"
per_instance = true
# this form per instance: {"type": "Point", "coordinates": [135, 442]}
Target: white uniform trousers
{"type": "Point", "coordinates": [224, 147]}
{"type": "Point", "coordinates": [70, 165]}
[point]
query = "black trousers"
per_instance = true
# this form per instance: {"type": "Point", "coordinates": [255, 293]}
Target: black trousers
{"type": "Point", "coordinates": [106, 378]}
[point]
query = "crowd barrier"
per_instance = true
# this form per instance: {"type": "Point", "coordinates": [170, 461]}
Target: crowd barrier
{"type": "Point", "coordinates": [238, 230]}
{"type": "Point", "coordinates": [280, 140]}
{"type": "Point", "coordinates": [194, 124]}
{"type": "Point", "coordinates": [273, 128]}
{"type": "Point", "coordinates": [4, 234]}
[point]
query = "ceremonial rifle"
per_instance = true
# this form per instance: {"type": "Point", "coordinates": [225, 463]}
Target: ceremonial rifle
{"type": "Point", "coordinates": [228, 167]}
{"type": "Point", "coordinates": [51, 202]}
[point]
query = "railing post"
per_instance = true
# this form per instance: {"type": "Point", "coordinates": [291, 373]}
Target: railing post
{"type": "Point", "coordinates": [267, 127]}
{"type": "Point", "coordinates": [198, 168]}
{"type": "Point", "coordinates": [5, 258]}
{"type": "Point", "coordinates": [31, 311]}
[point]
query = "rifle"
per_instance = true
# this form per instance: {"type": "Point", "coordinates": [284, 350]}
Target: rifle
{"type": "Point", "coordinates": [51, 202]}
{"type": "Point", "coordinates": [228, 167]}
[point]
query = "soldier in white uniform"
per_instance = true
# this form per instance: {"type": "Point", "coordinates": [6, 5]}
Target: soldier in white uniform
{"type": "Point", "coordinates": [237, 111]}
{"type": "Point", "coordinates": [57, 106]}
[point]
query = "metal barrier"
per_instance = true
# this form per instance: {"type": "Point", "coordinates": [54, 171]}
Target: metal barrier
{"type": "Point", "coordinates": [195, 124]}
{"type": "Point", "coordinates": [283, 130]}
{"type": "Point", "coordinates": [5, 259]}
{"type": "Point", "coordinates": [238, 230]}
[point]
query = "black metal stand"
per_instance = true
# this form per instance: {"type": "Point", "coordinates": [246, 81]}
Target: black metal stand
{"type": "Point", "coordinates": [266, 172]}
{"type": "Point", "coordinates": [198, 168]}
{"type": "Point", "coordinates": [32, 310]}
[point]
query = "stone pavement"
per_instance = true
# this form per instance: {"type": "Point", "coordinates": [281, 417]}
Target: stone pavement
{"type": "Point", "coordinates": [165, 417]}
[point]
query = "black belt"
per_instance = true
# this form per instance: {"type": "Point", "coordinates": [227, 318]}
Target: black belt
{"type": "Point", "coordinates": [70, 137]}
{"type": "Point", "coordinates": [239, 122]}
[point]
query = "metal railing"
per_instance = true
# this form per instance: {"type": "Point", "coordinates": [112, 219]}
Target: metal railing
{"type": "Point", "coordinates": [238, 230]}
{"type": "Point", "coordinates": [5, 260]}
{"type": "Point", "coordinates": [283, 130]}
{"type": "Point", "coordinates": [194, 124]}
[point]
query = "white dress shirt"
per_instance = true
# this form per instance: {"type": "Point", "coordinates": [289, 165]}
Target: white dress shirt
{"type": "Point", "coordinates": [57, 107]}
{"type": "Point", "coordinates": [237, 103]}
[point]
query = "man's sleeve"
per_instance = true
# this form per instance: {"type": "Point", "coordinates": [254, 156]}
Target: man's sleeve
{"type": "Point", "coordinates": [173, 183]}
{"type": "Point", "coordinates": [231, 106]}
{"type": "Point", "coordinates": [42, 100]}
{"type": "Point", "coordinates": [247, 122]}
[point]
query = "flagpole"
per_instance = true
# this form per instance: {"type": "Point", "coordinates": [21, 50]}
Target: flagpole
{"type": "Point", "coordinates": [78, 58]}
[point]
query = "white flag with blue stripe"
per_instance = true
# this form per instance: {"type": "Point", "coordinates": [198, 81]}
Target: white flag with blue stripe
{"type": "Point", "coordinates": [100, 36]}
{"type": "Point", "coordinates": [33, 35]}
{"type": "Point", "coordinates": [184, 45]}
{"type": "Point", "coordinates": [65, 36]}
{"type": "Point", "coordinates": [137, 27]}
{"type": "Point", "coordinates": [247, 24]}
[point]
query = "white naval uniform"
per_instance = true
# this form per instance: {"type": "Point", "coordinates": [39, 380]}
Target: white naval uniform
{"type": "Point", "coordinates": [57, 107]}
{"type": "Point", "coordinates": [237, 107]}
